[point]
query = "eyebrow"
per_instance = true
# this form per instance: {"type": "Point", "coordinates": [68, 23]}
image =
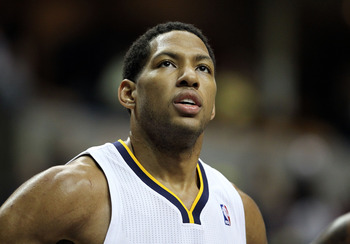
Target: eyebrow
{"type": "Point", "coordinates": [170, 54]}
{"type": "Point", "coordinates": [203, 57]}
{"type": "Point", "coordinates": [173, 55]}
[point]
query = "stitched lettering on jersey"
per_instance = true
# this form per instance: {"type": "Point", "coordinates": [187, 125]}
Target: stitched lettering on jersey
{"type": "Point", "coordinates": [226, 214]}
{"type": "Point", "coordinates": [188, 216]}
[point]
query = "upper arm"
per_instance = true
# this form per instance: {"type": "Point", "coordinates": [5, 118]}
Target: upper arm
{"type": "Point", "coordinates": [47, 208]}
{"type": "Point", "coordinates": [27, 214]}
{"type": "Point", "coordinates": [255, 226]}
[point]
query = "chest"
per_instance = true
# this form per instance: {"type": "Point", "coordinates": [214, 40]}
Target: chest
{"type": "Point", "coordinates": [144, 215]}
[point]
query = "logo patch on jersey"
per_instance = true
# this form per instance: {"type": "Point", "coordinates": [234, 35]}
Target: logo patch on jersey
{"type": "Point", "coordinates": [224, 210]}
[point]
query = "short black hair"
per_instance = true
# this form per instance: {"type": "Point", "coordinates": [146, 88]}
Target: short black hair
{"type": "Point", "coordinates": [138, 53]}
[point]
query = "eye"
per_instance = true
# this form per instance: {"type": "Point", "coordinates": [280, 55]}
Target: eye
{"type": "Point", "coordinates": [204, 68]}
{"type": "Point", "coordinates": [166, 63]}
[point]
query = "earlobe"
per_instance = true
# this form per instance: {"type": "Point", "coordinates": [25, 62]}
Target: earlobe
{"type": "Point", "coordinates": [126, 93]}
{"type": "Point", "coordinates": [213, 113]}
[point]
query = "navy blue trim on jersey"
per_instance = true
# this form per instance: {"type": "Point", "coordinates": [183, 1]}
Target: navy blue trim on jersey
{"type": "Point", "coordinates": [156, 187]}
{"type": "Point", "coordinates": [204, 198]}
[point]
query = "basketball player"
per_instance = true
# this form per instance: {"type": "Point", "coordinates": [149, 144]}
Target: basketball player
{"type": "Point", "coordinates": [338, 232]}
{"type": "Point", "coordinates": [152, 187]}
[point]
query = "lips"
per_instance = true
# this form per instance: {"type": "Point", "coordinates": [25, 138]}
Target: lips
{"type": "Point", "coordinates": [188, 103]}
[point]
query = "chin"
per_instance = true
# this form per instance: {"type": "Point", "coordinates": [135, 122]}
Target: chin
{"type": "Point", "coordinates": [189, 128]}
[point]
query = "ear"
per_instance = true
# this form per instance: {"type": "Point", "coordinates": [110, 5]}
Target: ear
{"type": "Point", "coordinates": [126, 94]}
{"type": "Point", "coordinates": [213, 113]}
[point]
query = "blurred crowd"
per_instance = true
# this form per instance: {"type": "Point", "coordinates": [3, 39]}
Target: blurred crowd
{"type": "Point", "coordinates": [282, 131]}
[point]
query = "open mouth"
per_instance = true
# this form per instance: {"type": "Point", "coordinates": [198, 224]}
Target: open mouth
{"type": "Point", "coordinates": [188, 103]}
{"type": "Point", "coordinates": [188, 98]}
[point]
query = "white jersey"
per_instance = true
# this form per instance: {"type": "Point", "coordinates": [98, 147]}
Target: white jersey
{"type": "Point", "coordinates": [145, 211]}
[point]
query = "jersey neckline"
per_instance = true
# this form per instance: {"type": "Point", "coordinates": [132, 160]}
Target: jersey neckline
{"type": "Point", "coordinates": [191, 215]}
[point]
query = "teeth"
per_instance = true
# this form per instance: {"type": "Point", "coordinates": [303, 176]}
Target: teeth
{"type": "Point", "coordinates": [188, 101]}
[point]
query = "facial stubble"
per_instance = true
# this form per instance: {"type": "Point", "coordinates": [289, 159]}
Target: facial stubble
{"type": "Point", "coordinates": [165, 134]}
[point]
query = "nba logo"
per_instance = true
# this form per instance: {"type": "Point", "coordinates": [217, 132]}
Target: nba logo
{"type": "Point", "coordinates": [227, 219]}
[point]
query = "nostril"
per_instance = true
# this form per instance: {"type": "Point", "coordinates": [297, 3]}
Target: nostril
{"type": "Point", "coordinates": [189, 84]}
{"type": "Point", "coordinates": [183, 83]}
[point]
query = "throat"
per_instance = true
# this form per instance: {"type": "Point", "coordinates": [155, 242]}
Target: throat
{"type": "Point", "coordinates": [187, 196]}
{"type": "Point", "coordinates": [186, 191]}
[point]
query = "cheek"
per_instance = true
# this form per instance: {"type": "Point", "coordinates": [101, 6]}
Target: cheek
{"type": "Point", "coordinates": [152, 95]}
{"type": "Point", "coordinates": [153, 83]}
{"type": "Point", "coordinates": [211, 94]}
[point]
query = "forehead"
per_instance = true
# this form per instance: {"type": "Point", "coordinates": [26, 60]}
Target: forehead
{"type": "Point", "coordinates": [178, 41]}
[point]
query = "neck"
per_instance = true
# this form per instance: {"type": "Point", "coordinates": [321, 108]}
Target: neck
{"type": "Point", "coordinates": [172, 162]}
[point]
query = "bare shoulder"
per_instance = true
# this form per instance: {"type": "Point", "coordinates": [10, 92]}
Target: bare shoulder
{"type": "Point", "coordinates": [338, 232]}
{"type": "Point", "coordinates": [55, 204]}
{"type": "Point", "coordinates": [255, 226]}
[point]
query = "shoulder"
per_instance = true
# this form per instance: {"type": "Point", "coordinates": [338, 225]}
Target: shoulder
{"type": "Point", "coordinates": [76, 181]}
{"type": "Point", "coordinates": [56, 201]}
{"type": "Point", "coordinates": [255, 226]}
{"type": "Point", "coordinates": [337, 232]}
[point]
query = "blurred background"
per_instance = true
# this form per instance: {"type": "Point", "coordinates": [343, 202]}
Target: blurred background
{"type": "Point", "coordinates": [282, 130]}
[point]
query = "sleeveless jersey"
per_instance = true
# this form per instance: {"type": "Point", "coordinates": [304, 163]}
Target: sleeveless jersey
{"type": "Point", "coordinates": [145, 211]}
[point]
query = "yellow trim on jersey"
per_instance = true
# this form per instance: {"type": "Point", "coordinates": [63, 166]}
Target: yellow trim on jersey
{"type": "Point", "coordinates": [189, 212]}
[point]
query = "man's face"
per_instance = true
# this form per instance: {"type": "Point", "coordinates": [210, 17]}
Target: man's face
{"type": "Point", "coordinates": [177, 88]}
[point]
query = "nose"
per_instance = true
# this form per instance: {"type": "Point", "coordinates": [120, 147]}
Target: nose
{"type": "Point", "coordinates": [188, 78]}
